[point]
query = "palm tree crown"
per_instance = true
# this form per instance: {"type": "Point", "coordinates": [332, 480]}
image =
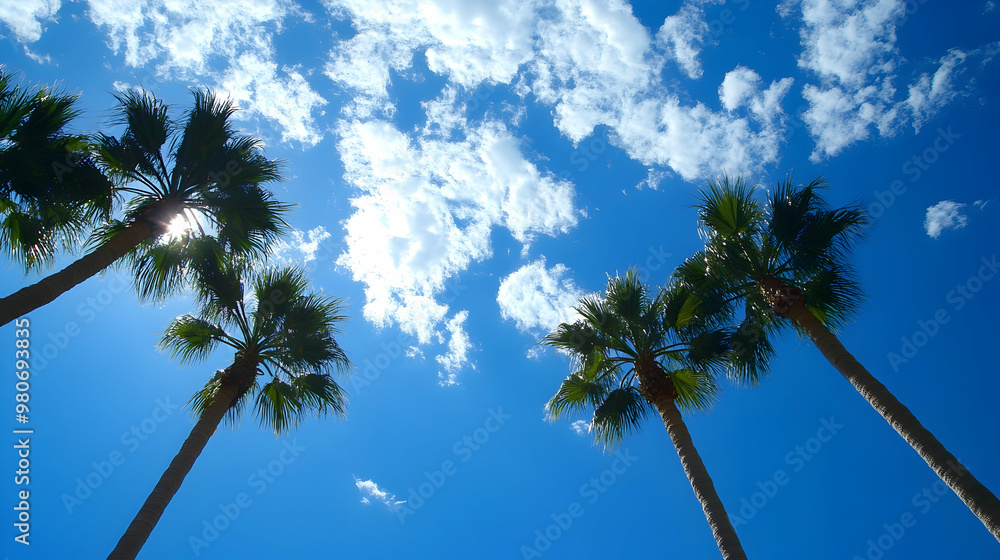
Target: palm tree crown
{"type": "Point", "coordinates": [758, 258]}
{"type": "Point", "coordinates": [629, 348]}
{"type": "Point", "coordinates": [209, 173]}
{"type": "Point", "coordinates": [789, 265]}
{"type": "Point", "coordinates": [201, 169]}
{"type": "Point", "coordinates": [50, 189]}
{"type": "Point", "coordinates": [634, 351]}
{"type": "Point", "coordinates": [277, 330]}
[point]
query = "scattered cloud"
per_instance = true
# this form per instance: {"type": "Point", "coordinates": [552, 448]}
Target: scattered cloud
{"type": "Point", "coordinates": [229, 42]}
{"type": "Point", "coordinates": [279, 95]}
{"type": "Point", "coordinates": [594, 63]}
{"type": "Point", "coordinates": [931, 92]}
{"type": "Point", "coordinates": [682, 35]}
{"type": "Point", "coordinates": [580, 427]}
{"type": "Point", "coordinates": [426, 207]}
{"type": "Point", "coordinates": [458, 351]}
{"type": "Point", "coordinates": [370, 492]}
{"type": "Point", "coordinates": [24, 17]}
{"type": "Point", "coordinates": [538, 298]}
{"type": "Point", "coordinates": [469, 42]}
{"type": "Point", "coordinates": [944, 215]}
{"type": "Point", "coordinates": [299, 246]}
{"type": "Point", "coordinates": [851, 48]}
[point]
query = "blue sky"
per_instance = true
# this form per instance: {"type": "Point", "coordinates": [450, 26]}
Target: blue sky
{"type": "Point", "coordinates": [464, 172]}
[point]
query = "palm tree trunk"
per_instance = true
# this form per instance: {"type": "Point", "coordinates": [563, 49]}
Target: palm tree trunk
{"type": "Point", "coordinates": [701, 482]}
{"type": "Point", "coordinates": [32, 297]}
{"type": "Point", "coordinates": [149, 514]}
{"type": "Point", "coordinates": [977, 497]}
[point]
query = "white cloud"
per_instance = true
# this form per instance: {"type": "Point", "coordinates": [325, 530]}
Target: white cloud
{"type": "Point", "coordinates": [580, 427]}
{"type": "Point", "coordinates": [592, 56]}
{"type": "Point", "coordinates": [603, 70]}
{"type": "Point", "coordinates": [682, 36]}
{"type": "Point", "coordinates": [654, 178]}
{"type": "Point", "coordinates": [24, 17]}
{"type": "Point", "coordinates": [537, 298]}
{"type": "Point", "coordinates": [944, 215]}
{"type": "Point", "coordinates": [592, 61]}
{"type": "Point", "coordinates": [298, 246]}
{"type": "Point", "coordinates": [930, 93]}
{"type": "Point", "coordinates": [426, 206]}
{"type": "Point", "coordinates": [850, 45]}
{"type": "Point", "coordinates": [371, 492]}
{"type": "Point", "coordinates": [228, 42]}
{"type": "Point", "coordinates": [458, 351]}
{"type": "Point", "coordinates": [469, 42]}
{"type": "Point", "coordinates": [255, 84]}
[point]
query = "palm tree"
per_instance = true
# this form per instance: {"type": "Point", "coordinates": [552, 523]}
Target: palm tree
{"type": "Point", "coordinates": [209, 172]}
{"type": "Point", "coordinates": [632, 352]}
{"type": "Point", "coordinates": [282, 332]}
{"type": "Point", "coordinates": [789, 265]}
{"type": "Point", "coordinates": [50, 190]}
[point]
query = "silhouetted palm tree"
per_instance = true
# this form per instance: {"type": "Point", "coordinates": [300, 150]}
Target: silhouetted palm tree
{"type": "Point", "coordinates": [634, 351]}
{"type": "Point", "coordinates": [208, 172]}
{"type": "Point", "coordinates": [282, 333]}
{"type": "Point", "coordinates": [51, 193]}
{"type": "Point", "coordinates": [789, 265]}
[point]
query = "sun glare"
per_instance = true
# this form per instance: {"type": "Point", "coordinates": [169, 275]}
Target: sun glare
{"type": "Point", "coordinates": [177, 228]}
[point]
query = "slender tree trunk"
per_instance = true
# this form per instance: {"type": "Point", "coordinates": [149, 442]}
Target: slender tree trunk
{"type": "Point", "coordinates": [976, 496]}
{"type": "Point", "coordinates": [32, 297]}
{"type": "Point", "coordinates": [701, 482]}
{"type": "Point", "coordinates": [149, 514]}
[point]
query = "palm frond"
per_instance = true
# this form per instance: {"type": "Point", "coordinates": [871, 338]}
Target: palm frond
{"type": "Point", "coordinates": [278, 406]}
{"type": "Point", "coordinates": [696, 390]}
{"type": "Point", "coordinates": [577, 393]}
{"type": "Point", "coordinates": [620, 413]}
{"type": "Point", "coordinates": [192, 339]}
{"type": "Point", "coordinates": [320, 393]}
{"type": "Point", "coordinates": [728, 208]}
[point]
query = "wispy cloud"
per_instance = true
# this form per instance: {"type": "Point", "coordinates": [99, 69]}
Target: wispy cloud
{"type": "Point", "coordinates": [682, 36]}
{"type": "Point", "coordinates": [370, 492]}
{"type": "Point", "coordinates": [944, 215]}
{"type": "Point", "coordinates": [299, 246]}
{"type": "Point", "coordinates": [458, 350]}
{"type": "Point", "coordinates": [580, 427]}
{"type": "Point", "coordinates": [851, 48]}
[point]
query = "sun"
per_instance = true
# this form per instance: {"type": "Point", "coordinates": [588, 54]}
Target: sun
{"type": "Point", "coordinates": [179, 227]}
